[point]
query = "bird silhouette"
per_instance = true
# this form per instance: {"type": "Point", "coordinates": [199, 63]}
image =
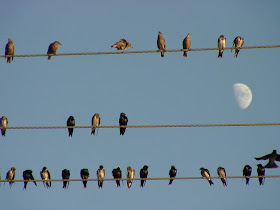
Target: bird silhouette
{"type": "Point", "coordinates": [172, 174]}
{"type": "Point", "coordinates": [65, 175]}
{"type": "Point", "coordinates": [261, 173]}
{"type": "Point", "coordinates": [84, 175]}
{"type": "Point", "coordinates": [27, 175]}
{"type": "Point", "coordinates": [117, 174]}
{"type": "Point", "coordinates": [272, 157]}
{"type": "Point", "coordinates": [247, 170]}
{"type": "Point", "coordinates": [52, 49]}
{"type": "Point", "coordinates": [123, 120]}
{"type": "Point", "coordinates": [70, 122]}
{"type": "Point", "coordinates": [143, 174]}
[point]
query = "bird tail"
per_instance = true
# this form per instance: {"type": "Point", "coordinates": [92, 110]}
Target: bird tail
{"type": "Point", "coordinates": [247, 181]}
{"type": "Point", "coordinates": [114, 45]}
{"type": "Point", "coordinates": [236, 53]}
{"type": "Point", "coordinates": [210, 182]}
{"type": "Point", "coordinates": [170, 181]}
{"type": "Point", "coordinates": [220, 54]}
{"type": "Point", "coordinates": [64, 184]}
{"type": "Point", "coordinates": [25, 185]}
{"type": "Point", "coordinates": [162, 54]}
{"type": "Point", "coordinates": [224, 182]}
{"type": "Point", "coordinates": [142, 183]}
{"type": "Point", "coordinates": [85, 184]}
{"type": "Point", "coordinates": [185, 54]}
{"type": "Point", "coordinates": [9, 60]}
{"type": "Point", "coordinates": [49, 57]}
{"type": "Point", "coordinates": [271, 164]}
{"type": "Point", "coordinates": [3, 131]}
{"type": "Point", "coordinates": [118, 183]}
{"type": "Point", "coordinates": [93, 131]}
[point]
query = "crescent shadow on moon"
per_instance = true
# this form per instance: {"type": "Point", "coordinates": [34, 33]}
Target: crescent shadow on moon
{"type": "Point", "coordinates": [243, 95]}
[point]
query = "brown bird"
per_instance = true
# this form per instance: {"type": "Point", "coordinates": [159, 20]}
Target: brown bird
{"type": "Point", "coordinates": [4, 124]}
{"type": "Point", "coordinates": [272, 157]}
{"type": "Point", "coordinates": [10, 50]}
{"type": "Point", "coordinates": [238, 43]}
{"type": "Point", "coordinates": [10, 176]}
{"type": "Point", "coordinates": [100, 175]}
{"type": "Point", "coordinates": [130, 175]}
{"type": "Point", "coordinates": [187, 44]}
{"type": "Point", "coordinates": [52, 49]}
{"type": "Point", "coordinates": [222, 174]}
{"type": "Point", "coordinates": [95, 121]}
{"type": "Point", "coordinates": [122, 44]}
{"type": "Point", "coordinates": [161, 43]}
{"type": "Point", "coordinates": [221, 45]}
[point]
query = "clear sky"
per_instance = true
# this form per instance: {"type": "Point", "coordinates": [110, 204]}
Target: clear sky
{"type": "Point", "coordinates": [150, 90]}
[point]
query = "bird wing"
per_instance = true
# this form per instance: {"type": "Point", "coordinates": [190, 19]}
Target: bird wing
{"type": "Point", "coordinates": [263, 157]}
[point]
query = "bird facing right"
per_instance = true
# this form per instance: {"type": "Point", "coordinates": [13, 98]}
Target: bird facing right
{"type": "Point", "coordinates": [272, 158]}
{"type": "Point", "coordinates": [95, 122]}
{"type": "Point", "coordinates": [46, 176]}
{"type": "Point", "coordinates": [172, 174]}
{"type": "Point", "coordinates": [10, 176]}
{"type": "Point", "coordinates": [122, 44]}
{"type": "Point", "coordinates": [161, 43]}
{"type": "Point", "coordinates": [4, 124]}
{"type": "Point", "coordinates": [10, 50]}
{"type": "Point", "coordinates": [52, 49]}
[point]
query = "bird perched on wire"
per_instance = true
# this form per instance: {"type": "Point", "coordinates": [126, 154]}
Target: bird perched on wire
{"type": "Point", "coordinates": [84, 175]}
{"type": "Point", "coordinates": [4, 124]}
{"type": "Point", "coordinates": [130, 175]}
{"type": "Point", "coordinates": [172, 174]}
{"type": "Point", "coordinates": [186, 44]}
{"type": "Point", "coordinates": [10, 50]}
{"type": "Point", "coordinates": [122, 44]}
{"type": "Point", "coordinates": [52, 49]}
{"type": "Point", "coordinates": [238, 43]}
{"type": "Point", "coordinates": [117, 174]}
{"type": "Point", "coordinates": [46, 176]}
{"type": "Point", "coordinates": [161, 43]}
{"type": "Point", "coordinates": [65, 175]}
{"type": "Point", "coordinates": [206, 174]}
{"type": "Point", "coordinates": [95, 122]}
{"type": "Point", "coordinates": [100, 175]}
{"type": "Point", "coordinates": [123, 120]}
{"type": "Point", "coordinates": [27, 175]}
{"type": "Point", "coordinates": [272, 157]}
{"type": "Point", "coordinates": [247, 170]}
{"type": "Point", "coordinates": [221, 45]}
{"type": "Point", "coordinates": [10, 176]}
{"type": "Point", "coordinates": [222, 174]}
{"type": "Point", "coordinates": [70, 122]}
{"type": "Point", "coordinates": [261, 173]}
{"type": "Point", "coordinates": [143, 174]}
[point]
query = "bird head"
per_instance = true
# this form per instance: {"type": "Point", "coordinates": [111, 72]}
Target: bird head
{"type": "Point", "coordinates": [145, 167]}
{"type": "Point", "coordinates": [57, 43]}
{"type": "Point", "coordinates": [101, 167]}
{"type": "Point", "coordinates": [10, 40]}
{"type": "Point", "coordinates": [173, 167]}
{"type": "Point", "coordinates": [201, 168]}
{"type": "Point", "coordinates": [13, 169]}
{"type": "Point", "coordinates": [122, 114]}
{"type": "Point", "coordinates": [260, 165]}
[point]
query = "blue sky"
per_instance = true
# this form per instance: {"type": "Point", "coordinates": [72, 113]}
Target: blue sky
{"type": "Point", "coordinates": [150, 90]}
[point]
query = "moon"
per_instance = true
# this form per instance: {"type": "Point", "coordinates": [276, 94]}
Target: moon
{"type": "Point", "coordinates": [243, 95]}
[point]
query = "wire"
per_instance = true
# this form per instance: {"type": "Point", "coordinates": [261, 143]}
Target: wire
{"type": "Point", "coordinates": [144, 51]}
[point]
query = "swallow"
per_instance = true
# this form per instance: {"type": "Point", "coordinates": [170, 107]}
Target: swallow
{"type": "Point", "coordinates": [27, 175]}
{"type": "Point", "coordinates": [122, 44]}
{"type": "Point", "coordinates": [161, 43]}
{"type": "Point", "coordinates": [52, 49]}
{"type": "Point", "coordinates": [238, 43]}
{"type": "Point", "coordinates": [10, 50]}
{"type": "Point", "coordinates": [187, 44]}
{"type": "Point", "coordinates": [222, 174]}
{"type": "Point", "coordinates": [143, 175]}
{"type": "Point", "coordinates": [45, 175]}
{"type": "Point", "coordinates": [261, 173]}
{"type": "Point", "coordinates": [272, 157]}
{"type": "Point", "coordinates": [65, 175]}
{"type": "Point", "coordinates": [123, 120]}
{"type": "Point", "coordinates": [172, 174]}
{"type": "Point", "coordinates": [130, 175]}
{"type": "Point", "coordinates": [100, 176]}
{"type": "Point", "coordinates": [95, 122]}
{"type": "Point", "coordinates": [84, 175]}
{"type": "Point", "coordinates": [10, 176]}
{"type": "Point", "coordinates": [205, 173]}
{"type": "Point", "coordinates": [4, 124]}
{"type": "Point", "coordinates": [117, 174]}
{"type": "Point", "coordinates": [247, 170]}
{"type": "Point", "coordinates": [221, 45]}
{"type": "Point", "coordinates": [70, 122]}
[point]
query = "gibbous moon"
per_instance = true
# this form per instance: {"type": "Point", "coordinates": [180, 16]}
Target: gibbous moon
{"type": "Point", "coordinates": [243, 95]}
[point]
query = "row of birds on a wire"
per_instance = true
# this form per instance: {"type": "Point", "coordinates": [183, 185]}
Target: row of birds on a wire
{"type": "Point", "coordinates": [123, 44]}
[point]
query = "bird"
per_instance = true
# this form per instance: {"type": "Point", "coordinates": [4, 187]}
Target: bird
{"type": "Point", "coordinates": [161, 43]}
{"type": "Point", "coordinates": [100, 175]}
{"type": "Point", "coordinates": [10, 50]}
{"type": "Point", "coordinates": [222, 174]}
{"type": "Point", "coordinates": [122, 44]}
{"type": "Point", "coordinates": [4, 124]}
{"type": "Point", "coordinates": [123, 120]}
{"type": "Point", "coordinates": [10, 176]}
{"type": "Point", "coordinates": [130, 175]}
{"type": "Point", "coordinates": [65, 175]}
{"type": "Point", "coordinates": [238, 43]}
{"type": "Point", "coordinates": [84, 176]}
{"type": "Point", "coordinates": [261, 173]}
{"type": "Point", "coordinates": [27, 175]}
{"type": "Point", "coordinates": [95, 121]}
{"type": "Point", "coordinates": [221, 45]}
{"type": "Point", "coordinates": [272, 157]}
{"type": "Point", "coordinates": [70, 122]}
{"type": "Point", "coordinates": [247, 170]}
{"type": "Point", "coordinates": [117, 174]}
{"type": "Point", "coordinates": [45, 175]}
{"type": "Point", "coordinates": [187, 44]}
{"type": "Point", "coordinates": [52, 49]}
{"type": "Point", "coordinates": [205, 173]}
{"type": "Point", "coordinates": [172, 174]}
{"type": "Point", "coordinates": [143, 175]}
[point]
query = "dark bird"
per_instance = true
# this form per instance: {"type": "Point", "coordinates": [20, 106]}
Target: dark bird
{"type": "Point", "coordinates": [222, 174]}
{"type": "Point", "coordinates": [27, 175]}
{"type": "Point", "coordinates": [84, 175]}
{"type": "Point", "coordinates": [221, 45]}
{"type": "Point", "coordinates": [46, 176]}
{"type": "Point", "coordinates": [143, 175]}
{"type": "Point", "coordinates": [52, 49]}
{"type": "Point", "coordinates": [172, 174]}
{"type": "Point", "coordinates": [130, 175]}
{"type": "Point", "coordinates": [4, 124]}
{"type": "Point", "coordinates": [161, 43]}
{"type": "Point", "coordinates": [100, 175]}
{"type": "Point", "coordinates": [117, 174]}
{"type": "Point", "coordinates": [95, 122]}
{"type": "Point", "coordinates": [70, 122]}
{"type": "Point", "coordinates": [10, 176]}
{"type": "Point", "coordinates": [247, 170]}
{"type": "Point", "coordinates": [10, 50]}
{"type": "Point", "coordinates": [122, 44]}
{"type": "Point", "coordinates": [123, 120]}
{"type": "Point", "coordinates": [65, 175]}
{"type": "Point", "coordinates": [272, 157]}
{"type": "Point", "coordinates": [206, 174]}
{"type": "Point", "coordinates": [261, 173]}
{"type": "Point", "coordinates": [238, 43]}
{"type": "Point", "coordinates": [187, 44]}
